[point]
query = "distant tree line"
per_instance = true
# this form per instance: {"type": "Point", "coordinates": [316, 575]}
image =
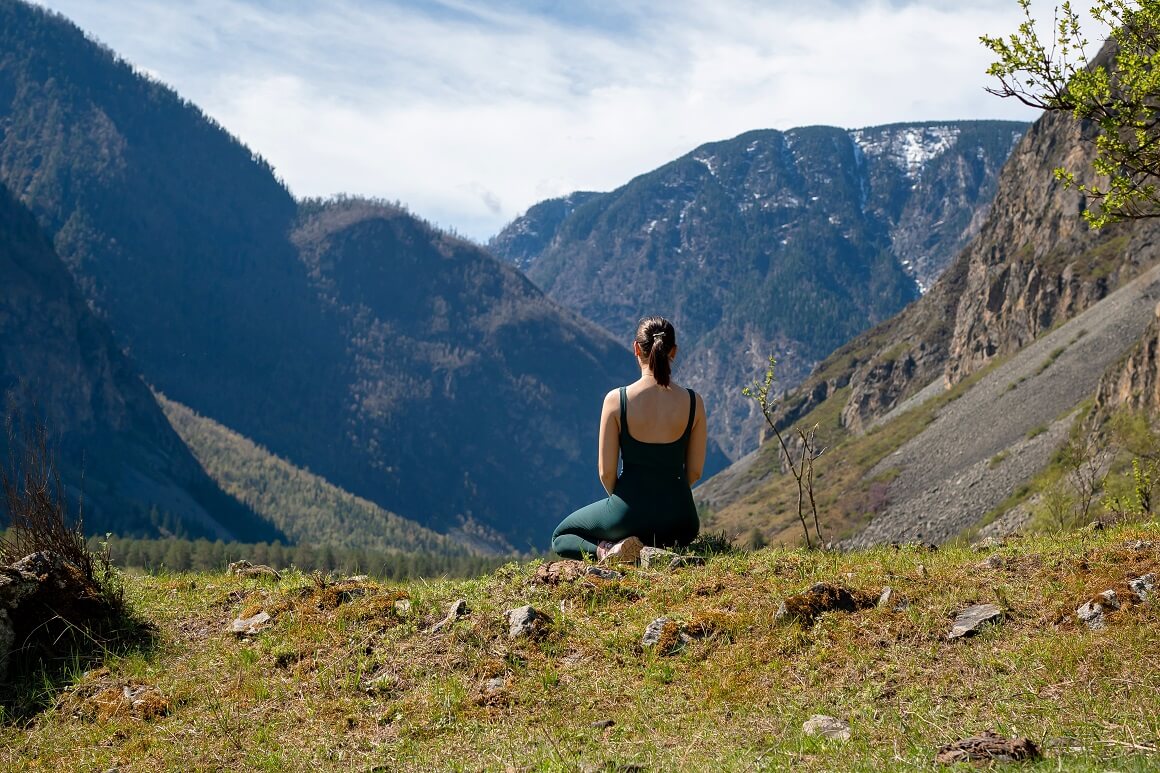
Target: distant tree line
{"type": "Point", "coordinates": [201, 555]}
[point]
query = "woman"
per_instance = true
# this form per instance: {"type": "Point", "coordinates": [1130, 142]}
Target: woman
{"type": "Point", "coordinates": [658, 429]}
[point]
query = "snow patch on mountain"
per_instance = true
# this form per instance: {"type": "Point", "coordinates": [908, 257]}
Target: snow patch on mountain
{"type": "Point", "coordinates": [910, 147]}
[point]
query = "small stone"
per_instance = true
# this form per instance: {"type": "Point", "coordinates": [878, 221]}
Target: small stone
{"type": "Point", "coordinates": [827, 727]}
{"type": "Point", "coordinates": [993, 561]}
{"type": "Point", "coordinates": [494, 685]}
{"type": "Point", "coordinates": [973, 618]}
{"type": "Point", "coordinates": [457, 610]}
{"type": "Point", "coordinates": [402, 606]}
{"type": "Point", "coordinates": [1139, 545]}
{"type": "Point", "coordinates": [1110, 599]}
{"type": "Point", "coordinates": [922, 571]}
{"type": "Point", "coordinates": [885, 596]}
{"type": "Point", "coordinates": [681, 562]}
{"type": "Point", "coordinates": [663, 634]}
{"type": "Point", "coordinates": [1143, 586]}
{"type": "Point", "coordinates": [988, 747]}
{"type": "Point", "coordinates": [653, 558]}
{"type": "Point", "coordinates": [526, 621]}
{"type": "Point", "coordinates": [556, 572]}
{"type": "Point", "coordinates": [1091, 612]}
{"type": "Point", "coordinates": [603, 724]}
{"type": "Point", "coordinates": [987, 543]}
{"type": "Point", "coordinates": [250, 626]}
{"type": "Point", "coordinates": [244, 568]}
{"type": "Point", "coordinates": [822, 597]}
{"type": "Point", "coordinates": [602, 573]}
{"type": "Point", "coordinates": [357, 578]}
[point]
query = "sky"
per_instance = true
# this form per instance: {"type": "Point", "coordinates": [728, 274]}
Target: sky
{"type": "Point", "coordinates": [469, 112]}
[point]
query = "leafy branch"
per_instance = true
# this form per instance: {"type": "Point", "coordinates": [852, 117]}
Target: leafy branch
{"type": "Point", "coordinates": [1119, 94]}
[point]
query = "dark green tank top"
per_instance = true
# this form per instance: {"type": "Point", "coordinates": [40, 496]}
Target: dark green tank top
{"type": "Point", "coordinates": [664, 456]}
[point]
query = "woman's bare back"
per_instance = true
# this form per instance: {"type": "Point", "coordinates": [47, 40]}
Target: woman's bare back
{"type": "Point", "coordinates": [656, 414]}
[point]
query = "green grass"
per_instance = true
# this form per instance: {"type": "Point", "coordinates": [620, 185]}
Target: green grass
{"type": "Point", "coordinates": [356, 685]}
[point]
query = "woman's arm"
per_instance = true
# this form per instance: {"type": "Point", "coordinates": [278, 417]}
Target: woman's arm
{"type": "Point", "coordinates": [695, 454]}
{"type": "Point", "coordinates": [609, 453]}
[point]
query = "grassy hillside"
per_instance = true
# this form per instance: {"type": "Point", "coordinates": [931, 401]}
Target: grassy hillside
{"type": "Point", "coordinates": [347, 679]}
{"type": "Point", "coordinates": [306, 507]}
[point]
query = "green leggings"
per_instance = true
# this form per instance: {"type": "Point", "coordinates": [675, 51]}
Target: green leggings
{"type": "Point", "coordinates": [662, 515]}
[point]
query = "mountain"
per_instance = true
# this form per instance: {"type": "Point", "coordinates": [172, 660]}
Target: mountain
{"type": "Point", "coordinates": [404, 366]}
{"type": "Point", "coordinates": [791, 242]}
{"type": "Point", "coordinates": [60, 365]}
{"type": "Point", "coordinates": [309, 509]}
{"type": "Point", "coordinates": [949, 410]}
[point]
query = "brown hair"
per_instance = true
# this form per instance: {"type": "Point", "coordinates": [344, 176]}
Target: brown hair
{"type": "Point", "coordinates": [657, 339]}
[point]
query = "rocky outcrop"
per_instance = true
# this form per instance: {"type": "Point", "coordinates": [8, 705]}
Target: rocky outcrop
{"type": "Point", "coordinates": [1134, 383]}
{"type": "Point", "coordinates": [1034, 264]}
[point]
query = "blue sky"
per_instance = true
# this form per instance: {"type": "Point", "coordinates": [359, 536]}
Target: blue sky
{"type": "Point", "coordinates": [469, 112]}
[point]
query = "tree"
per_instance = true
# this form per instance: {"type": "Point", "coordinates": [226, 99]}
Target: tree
{"type": "Point", "coordinates": [1118, 92]}
{"type": "Point", "coordinates": [801, 464]}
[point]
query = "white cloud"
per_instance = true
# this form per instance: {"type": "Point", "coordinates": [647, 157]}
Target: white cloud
{"type": "Point", "coordinates": [469, 112]}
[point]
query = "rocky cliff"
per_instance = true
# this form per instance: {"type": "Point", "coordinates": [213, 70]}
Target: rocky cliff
{"type": "Point", "coordinates": [1033, 264]}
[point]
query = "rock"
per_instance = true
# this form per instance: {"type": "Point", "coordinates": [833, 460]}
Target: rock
{"type": "Point", "coordinates": [680, 562]}
{"type": "Point", "coordinates": [244, 568]}
{"type": "Point", "coordinates": [402, 606]}
{"type": "Point", "coordinates": [987, 747]}
{"type": "Point", "coordinates": [603, 724]}
{"type": "Point", "coordinates": [827, 727]}
{"type": "Point", "coordinates": [987, 543]}
{"type": "Point", "coordinates": [885, 596]}
{"type": "Point", "coordinates": [663, 634]}
{"type": "Point", "coordinates": [1138, 545]}
{"type": "Point", "coordinates": [602, 573]}
{"type": "Point", "coordinates": [822, 597]}
{"type": "Point", "coordinates": [1143, 586]}
{"type": "Point", "coordinates": [250, 626]}
{"type": "Point", "coordinates": [1094, 526]}
{"type": "Point", "coordinates": [973, 618]}
{"type": "Point", "coordinates": [457, 610]}
{"type": "Point", "coordinates": [526, 621]}
{"type": "Point", "coordinates": [993, 561]}
{"type": "Point", "coordinates": [654, 558]}
{"type": "Point", "coordinates": [1091, 612]}
{"type": "Point", "coordinates": [556, 572]}
{"type": "Point", "coordinates": [494, 685]}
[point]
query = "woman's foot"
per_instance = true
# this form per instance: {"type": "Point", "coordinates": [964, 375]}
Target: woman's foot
{"type": "Point", "coordinates": [627, 551]}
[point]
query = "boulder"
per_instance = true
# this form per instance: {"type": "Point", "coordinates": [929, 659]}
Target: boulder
{"type": "Point", "coordinates": [971, 620]}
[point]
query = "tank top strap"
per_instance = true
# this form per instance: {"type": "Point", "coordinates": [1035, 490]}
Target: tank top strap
{"type": "Point", "coordinates": [623, 414]}
{"type": "Point", "coordinates": [692, 413]}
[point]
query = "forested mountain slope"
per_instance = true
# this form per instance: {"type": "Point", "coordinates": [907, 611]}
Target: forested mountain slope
{"type": "Point", "coordinates": [60, 366]}
{"type": "Point", "coordinates": [787, 242]}
{"type": "Point", "coordinates": [408, 367]}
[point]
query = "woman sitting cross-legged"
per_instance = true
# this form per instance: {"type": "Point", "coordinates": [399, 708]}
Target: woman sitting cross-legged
{"type": "Point", "coordinates": [657, 429]}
